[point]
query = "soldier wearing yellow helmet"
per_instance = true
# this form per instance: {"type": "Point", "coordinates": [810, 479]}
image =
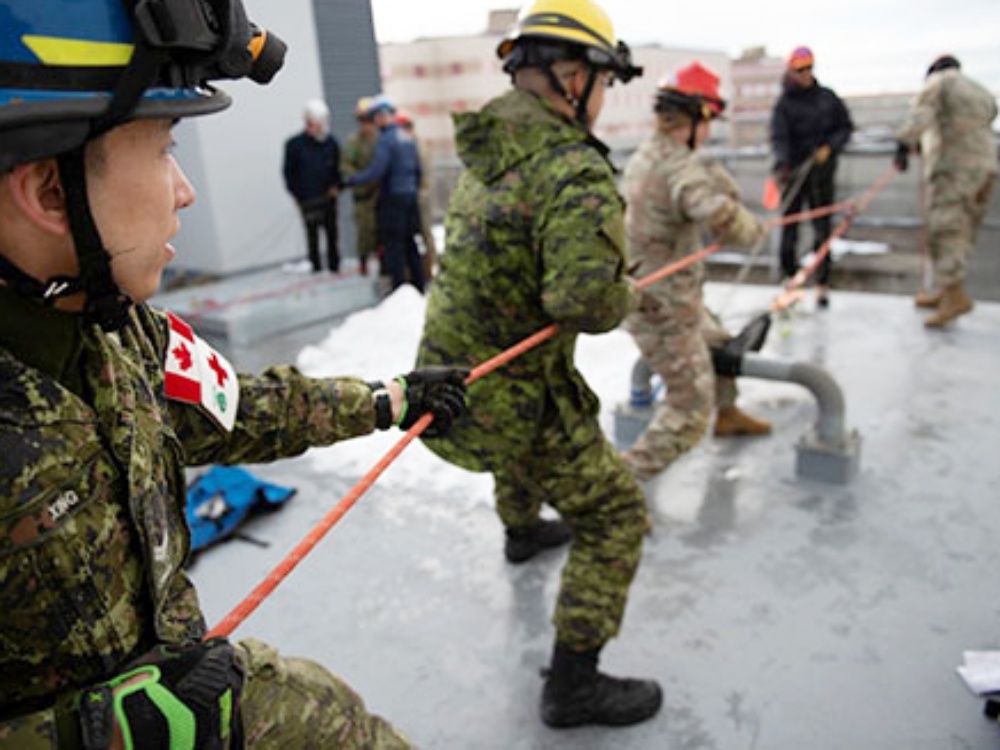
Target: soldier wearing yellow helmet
{"type": "Point", "coordinates": [356, 156]}
{"type": "Point", "coordinates": [553, 31]}
{"type": "Point", "coordinates": [535, 237]}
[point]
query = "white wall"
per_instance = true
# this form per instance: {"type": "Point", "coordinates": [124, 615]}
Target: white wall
{"type": "Point", "coordinates": [243, 218]}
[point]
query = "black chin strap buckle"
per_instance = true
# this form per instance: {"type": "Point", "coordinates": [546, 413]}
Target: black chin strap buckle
{"type": "Point", "coordinates": [59, 286]}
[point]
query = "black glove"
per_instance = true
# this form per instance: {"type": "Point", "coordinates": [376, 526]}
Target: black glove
{"type": "Point", "coordinates": [172, 692]}
{"type": "Point", "coordinates": [439, 390]}
{"type": "Point", "coordinates": [902, 157]}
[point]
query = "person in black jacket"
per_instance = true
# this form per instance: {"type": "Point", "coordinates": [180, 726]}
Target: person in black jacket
{"type": "Point", "coordinates": [312, 176]}
{"type": "Point", "coordinates": [809, 127]}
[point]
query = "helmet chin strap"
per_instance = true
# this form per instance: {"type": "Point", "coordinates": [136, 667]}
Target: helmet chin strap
{"type": "Point", "coordinates": [105, 304]}
{"type": "Point", "coordinates": [579, 105]}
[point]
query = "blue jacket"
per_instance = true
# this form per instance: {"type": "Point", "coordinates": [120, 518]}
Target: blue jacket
{"type": "Point", "coordinates": [395, 164]}
{"type": "Point", "coordinates": [311, 167]}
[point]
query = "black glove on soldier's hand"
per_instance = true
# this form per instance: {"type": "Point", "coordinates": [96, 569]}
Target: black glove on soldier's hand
{"type": "Point", "coordinates": [902, 157]}
{"type": "Point", "coordinates": [174, 696]}
{"type": "Point", "coordinates": [439, 390]}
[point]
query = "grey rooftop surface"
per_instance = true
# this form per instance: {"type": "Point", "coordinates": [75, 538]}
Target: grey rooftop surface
{"type": "Point", "coordinates": [778, 613]}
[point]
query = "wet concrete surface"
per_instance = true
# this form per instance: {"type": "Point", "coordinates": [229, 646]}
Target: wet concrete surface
{"type": "Point", "coordinates": [777, 613]}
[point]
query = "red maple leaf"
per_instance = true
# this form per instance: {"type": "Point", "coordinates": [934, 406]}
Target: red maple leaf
{"type": "Point", "coordinates": [183, 356]}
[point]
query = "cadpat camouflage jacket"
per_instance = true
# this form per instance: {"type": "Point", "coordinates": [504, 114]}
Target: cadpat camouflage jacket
{"type": "Point", "coordinates": [534, 237]}
{"type": "Point", "coordinates": [92, 489]}
{"type": "Point", "coordinates": [356, 156]}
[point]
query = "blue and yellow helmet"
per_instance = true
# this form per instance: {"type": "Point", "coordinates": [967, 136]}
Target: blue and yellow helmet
{"type": "Point", "coordinates": [70, 69]}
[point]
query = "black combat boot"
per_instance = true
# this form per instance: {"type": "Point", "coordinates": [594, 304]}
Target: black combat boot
{"type": "Point", "coordinates": [524, 542]}
{"type": "Point", "coordinates": [575, 693]}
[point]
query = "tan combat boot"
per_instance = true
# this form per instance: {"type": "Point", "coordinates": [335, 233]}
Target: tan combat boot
{"type": "Point", "coordinates": [954, 302]}
{"type": "Point", "coordinates": [928, 298]}
{"type": "Point", "coordinates": [731, 422]}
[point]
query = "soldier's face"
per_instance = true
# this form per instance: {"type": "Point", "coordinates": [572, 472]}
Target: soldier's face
{"type": "Point", "coordinates": [136, 189]}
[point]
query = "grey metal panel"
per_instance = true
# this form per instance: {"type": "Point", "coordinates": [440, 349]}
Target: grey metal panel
{"type": "Point", "coordinates": [350, 68]}
{"type": "Point", "coordinates": [348, 58]}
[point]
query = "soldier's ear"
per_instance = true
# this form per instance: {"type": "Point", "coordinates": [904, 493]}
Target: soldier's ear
{"type": "Point", "coordinates": [37, 192]}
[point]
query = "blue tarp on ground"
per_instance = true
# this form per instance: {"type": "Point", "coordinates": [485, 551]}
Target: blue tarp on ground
{"type": "Point", "coordinates": [221, 499]}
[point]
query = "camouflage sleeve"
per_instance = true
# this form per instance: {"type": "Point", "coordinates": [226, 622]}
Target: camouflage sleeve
{"type": "Point", "coordinates": [346, 162]}
{"type": "Point", "coordinates": [282, 413]}
{"type": "Point", "coordinates": [923, 112]}
{"type": "Point", "coordinates": [708, 196]}
{"type": "Point", "coordinates": [581, 239]}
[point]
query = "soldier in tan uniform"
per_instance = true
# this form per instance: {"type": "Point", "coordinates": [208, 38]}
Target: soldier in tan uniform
{"type": "Point", "coordinates": [950, 123]}
{"type": "Point", "coordinates": [675, 197]}
{"type": "Point", "coordinates": [105, 400]}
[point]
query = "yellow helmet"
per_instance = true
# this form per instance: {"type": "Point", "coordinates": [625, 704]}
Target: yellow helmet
{"type": "Point", "coordinates": [362, 107]}
{"type": "Point", "coordinates": [580, 23]}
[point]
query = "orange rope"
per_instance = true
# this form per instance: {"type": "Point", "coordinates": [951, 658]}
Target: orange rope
{"type": "Point", "coordinates": [264, 589]}
{"type": "Point", "coordinates": [253, 600]}
{"type": "Point", "coordinates": [790, 294]}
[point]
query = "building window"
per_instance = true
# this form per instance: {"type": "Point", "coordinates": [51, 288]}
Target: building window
{"type": "Point", "coordinates": [419, 71]}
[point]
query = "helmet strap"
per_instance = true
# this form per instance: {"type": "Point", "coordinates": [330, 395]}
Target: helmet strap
{"type": "Point", "coordinates": [28, 286]}
{"type": "Point", "coordinates": [581, 104]}
{"type": "Point", "coordinates": [138, 75]}
{"type": "Point", "coordinates": [105, 304]}
{"type": "Point", "coordinates": [693, 134]}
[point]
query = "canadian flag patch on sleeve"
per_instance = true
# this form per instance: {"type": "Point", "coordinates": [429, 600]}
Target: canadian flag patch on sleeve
{"type": "Point", "coordinates": [197, 374]}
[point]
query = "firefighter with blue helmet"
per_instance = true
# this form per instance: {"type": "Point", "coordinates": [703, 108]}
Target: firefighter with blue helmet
{"type": "Point", "coordinates": [105, 399]}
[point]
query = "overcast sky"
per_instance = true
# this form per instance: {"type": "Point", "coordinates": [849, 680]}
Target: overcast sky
{"type": "Point", "coordinates": [861, 46]}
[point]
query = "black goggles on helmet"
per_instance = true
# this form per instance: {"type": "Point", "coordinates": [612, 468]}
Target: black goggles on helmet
{"type": "Point", "coordinates": [619, 62]}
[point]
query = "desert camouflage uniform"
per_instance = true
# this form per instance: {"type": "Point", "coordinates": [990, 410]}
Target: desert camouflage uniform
{"type": "Point", "coordinates": [357, 155]}
{"type": "Point", "coordinates": [92, 532]}
{"type": "Point", "coordinates": [673, 195]}
{"type": "Point", "coordinates": [535, 237]}
{"type": "Point", "coordinates": [951, 120]}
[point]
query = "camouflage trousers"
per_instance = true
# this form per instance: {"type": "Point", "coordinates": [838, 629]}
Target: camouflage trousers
{"type": "Point", "coordinates": [677, 349]}
{"type": "Point", "coordinates": [366, 225]}
{"type": "Point", "coordinates": [582, 476]}
{"type": "Point", "coordinates": [296, 703]}
{"type": "Point", "coordinates": [953, 219]}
